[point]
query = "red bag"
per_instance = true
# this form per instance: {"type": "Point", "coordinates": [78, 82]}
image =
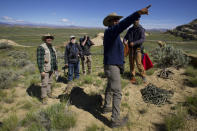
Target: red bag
{"type": "Point", "coordinates": [147, 63]}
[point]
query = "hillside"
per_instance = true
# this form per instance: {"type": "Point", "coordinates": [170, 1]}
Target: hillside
{"type": "Point", "coordinates": [187, 31]}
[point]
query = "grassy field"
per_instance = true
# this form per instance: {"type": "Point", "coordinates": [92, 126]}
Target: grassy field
{"type": "Point", "coordinates": [32, 36]}
{"type": "Point", "coordinates": [19, 63]}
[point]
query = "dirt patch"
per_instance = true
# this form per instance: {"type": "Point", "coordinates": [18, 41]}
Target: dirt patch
{"type": "Point", "coordinates": [12, 43]}
{"type": "Point", "coordinates": [143, 116]}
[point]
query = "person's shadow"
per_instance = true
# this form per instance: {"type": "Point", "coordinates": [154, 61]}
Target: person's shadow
{"type": "Point", "coordinates": [62, 79]}
{"type": "Point", "coordinates": [34, 91]}
{"type": "Point", "coordinates": [90, 103]}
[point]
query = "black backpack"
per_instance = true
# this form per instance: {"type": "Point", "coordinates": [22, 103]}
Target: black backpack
{"type": "Point", "coordinates": [73, 53]}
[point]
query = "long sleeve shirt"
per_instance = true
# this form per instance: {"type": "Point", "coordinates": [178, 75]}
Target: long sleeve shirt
{"type": "Point", "coordinates": [40, 59]}
{"type": "Point", "coordinates": [113, 46]}
{"type": "Point", "coordinates": [136, 35]}
{"type": "Point", "coordinates": [72, 53]}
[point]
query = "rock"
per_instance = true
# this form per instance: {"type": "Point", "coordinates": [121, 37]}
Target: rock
{"type": "Point", "coordinates": [98, 40]}
{"type": "Point", "coordinates": [187, 31]}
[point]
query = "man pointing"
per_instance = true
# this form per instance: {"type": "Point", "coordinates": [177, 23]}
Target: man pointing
{"type": "Point", "coordinates": [113, 62]}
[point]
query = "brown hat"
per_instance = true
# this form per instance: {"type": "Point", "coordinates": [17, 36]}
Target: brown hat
{"type": "Point", "coordinates": [106, 21]}
{"type": "Point", "coordinates": [47, 36]}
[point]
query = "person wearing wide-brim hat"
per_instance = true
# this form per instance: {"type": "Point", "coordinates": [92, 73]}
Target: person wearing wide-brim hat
{"type": "Point", "coordinates": [47, 64]}
{"type": "Point", "coordinates": [46, 36]}
{"type": "Point", "coordinates": [113, 62]}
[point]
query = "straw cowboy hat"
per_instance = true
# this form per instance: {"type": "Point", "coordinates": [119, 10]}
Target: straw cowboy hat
{"type": "Point", "coordinates": [47, 36]}
{"type": "Point", "coordinates": [106, 21]}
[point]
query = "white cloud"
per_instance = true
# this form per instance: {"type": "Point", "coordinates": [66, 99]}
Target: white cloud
{"type": "Point", "coordinates": [7, 18]}
{"type": "Point", "coordinates": [64, 20]}
{"type": "Point", "coordinates": [11, 20]}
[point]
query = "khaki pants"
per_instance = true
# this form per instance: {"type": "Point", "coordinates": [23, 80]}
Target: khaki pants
{"type": "Point", "coordinates": [46, 84]}
{"type": "Point", "coordinates": [87, 60]}
{"type": "Point", "coordinates": [136, 56]}
{"type": "Point", "coordinates": [113, 90]}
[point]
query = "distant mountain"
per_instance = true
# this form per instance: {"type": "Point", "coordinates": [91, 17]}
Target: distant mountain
{"type": "Point", "coordinates": [187, 31]}
{"type": "Point", "coordinates": [156, 30]}
{"type": "Point", "coordinates": [4, 24]}
{"type": "Point", "coordinates": [41, 25]}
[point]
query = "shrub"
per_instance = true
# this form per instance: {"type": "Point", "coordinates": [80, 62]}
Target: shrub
{"type": "Point", "coordinates": [169, 56]}
{"type": "Point", "coordinates": [10, 123]}
{"type": "Point", "coordinates": [5, 63]}
{"type": "Point", "coordinates": [30, 69]}
{"type": "Point", "coordinates": [52, 118]}
{"type": "Point", "coordinates": [21, 62]}
{"type": "Point", "coordinates": [18, 54]}
{"type": "Point", "coordinates": [7, 78]}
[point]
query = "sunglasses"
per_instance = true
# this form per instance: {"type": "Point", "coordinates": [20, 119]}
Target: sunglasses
{"type": "Point", "coordinates": [49, 38]}
{"type": "Point", "coordinates": [114, 20]}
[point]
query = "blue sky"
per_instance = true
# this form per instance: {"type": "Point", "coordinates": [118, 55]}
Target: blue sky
{"type": "Point", "coordinates": [90, 13]}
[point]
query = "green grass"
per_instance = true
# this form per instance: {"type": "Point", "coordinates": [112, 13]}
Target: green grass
{"type": "Point", "coordinates": [125, 105]}
{"type": "Point", "coordinates": [98, 83]}
{"type": "Point", "coordinates": [3, 95]}
{"type": "Point", "coordinates": [191, 72]}
{"type": "Point", "coordinates": [191, 103]}
{"type": "Point", "coordinates": [55, 116]}
{"type": "Point", "coordinates": [127, 94]}
{"type": "Point", "coordinates": [94, 127]}
{"type": "Point", "coordinates": [10, 98]}
{"type": "Point", "coordinates": [151, 71]}
{"type": "Point", "coordinates": [29, 118]}
{"type": "Point", "coordinates": [32, 36]}
{"type": "Point", "coordinates": [27, 105]}
{"type": "Point", "coordinates": [10, 123]}
{"type": "Point", "coordinates": [175, 121]}
{"type": "Point", "coordinates": [88, 79]}
{"type": "Point", "coordinates": [139, 80]}
{"type": "Point", "coordinates": [124, 83]}
{"type": "Point", "coordinates": [36, 127]}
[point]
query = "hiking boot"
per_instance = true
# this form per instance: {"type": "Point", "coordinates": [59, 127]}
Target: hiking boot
{"type": "Point", "coordinates": [119, 122]}
{"type": "Point", "coordinates": [144, 79]}
{"type": "Point", "coordinates": [133, 80]}
{"type": "Point", "coordinates": [51, 96]}
{"type": "Point", "coordinates": [106, 110]}
{"type": "Point", "coordinates": [44, 101]}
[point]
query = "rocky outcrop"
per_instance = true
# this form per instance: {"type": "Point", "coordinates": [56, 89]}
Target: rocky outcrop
{"type": "Point", "coordinates": [187, 31]}
{"type": "Point", "coordinates": [98, 40]}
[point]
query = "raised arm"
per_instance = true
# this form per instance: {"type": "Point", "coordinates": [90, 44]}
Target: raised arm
{"type": "Point", "coordinates": [125, 23]}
